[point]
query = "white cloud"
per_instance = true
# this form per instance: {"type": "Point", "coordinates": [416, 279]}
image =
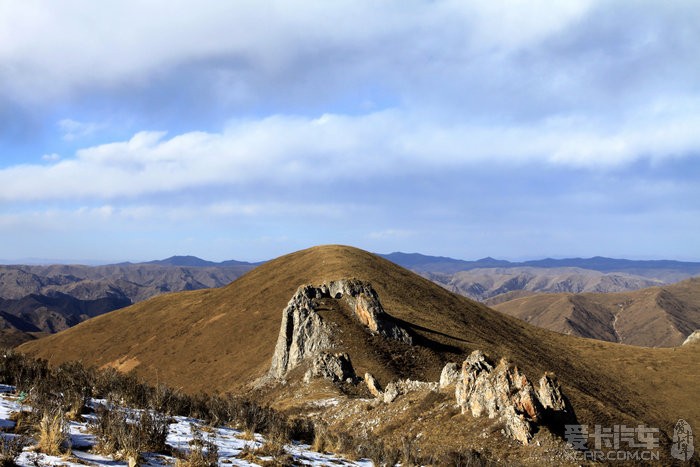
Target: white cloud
{"type": "Point", "coordinates": [293, 151]}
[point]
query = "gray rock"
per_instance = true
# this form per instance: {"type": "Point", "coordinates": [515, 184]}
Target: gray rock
{"type": "Point", "coordinates": [549, 393]}
{"type": "Point", "coordinates": [336, 367]}
{"type": "Point", "coordinates": [396, 388]}
{"type": "Point", "coordinates": [303, 333]}
{"type": "Point", "coordinates": [373, 385]}
{"type": "Point", "coordinates": [450, 375]}
{"type": "Point", "coordinates": [367, 307]}
{"type": "Point", "coordinates": [502, 391]}
{"type": "Point", "coordinates": [391, 392]}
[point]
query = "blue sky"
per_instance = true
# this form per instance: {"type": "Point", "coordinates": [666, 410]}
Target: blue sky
{"type": "Point", "coordinates": [134, 130]}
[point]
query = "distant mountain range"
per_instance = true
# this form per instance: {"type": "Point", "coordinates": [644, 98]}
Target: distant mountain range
{"type": "Point", "coordinates": [46, 299]}
{"type": "Point", "coordinates": [662, 270]}
{"type": "Point", "coordinates": [194, 262]}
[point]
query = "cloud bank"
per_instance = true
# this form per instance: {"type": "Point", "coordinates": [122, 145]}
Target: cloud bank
{"type": "Point", "coordinates": [507, 126]}
{"type": "Point", "coordinates": [284, 150]}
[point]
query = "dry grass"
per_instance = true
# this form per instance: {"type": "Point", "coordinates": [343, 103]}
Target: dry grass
{"type": "Point", "coordinates": [53, 433]}
{"type": "Point", "coordinates": [607, 383]}
{"type": "Point", "coordinates": [652, 317]}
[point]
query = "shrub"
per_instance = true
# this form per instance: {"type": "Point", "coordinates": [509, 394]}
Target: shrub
{"type": "Point", "coordinates": [75, 382]}
{"type": "Point", "coordinates": [119, 433]}
{"type": "Point", "coordinates": [21, 371]}
{"type": "Point", "coordinates": [321, 442]}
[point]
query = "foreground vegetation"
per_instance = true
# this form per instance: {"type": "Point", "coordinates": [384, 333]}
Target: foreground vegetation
{"type": "Point", "coordinates": [132, 417]}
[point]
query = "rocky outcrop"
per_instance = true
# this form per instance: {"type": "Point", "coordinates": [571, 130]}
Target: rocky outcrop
{"type": "Point", "coordinates": [336, 367]}
{"type": "Point", "coordinates": [373, 386]}
{"type": "Point", "coordinates": [368, 309]}
{"type": "Point", "coordinates": [694, 337]}
{"type": "Point", "coordinates": [450, 375]}
{"type": "Point", "coordinates": [502, 391]}
{"type": "Point", "coordinates": [304, 335]}
{"type": "Point", "coordinates": [550, 395]}
{"type": "Point", "coordinates": [397, 388]}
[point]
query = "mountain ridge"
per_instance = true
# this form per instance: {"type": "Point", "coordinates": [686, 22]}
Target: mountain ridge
{"type": "Point", "coordinates": [418, 261]}
{"type": "Point", "coordinates": [487, 280]}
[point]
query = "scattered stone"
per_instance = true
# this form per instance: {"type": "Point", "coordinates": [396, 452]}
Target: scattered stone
{"type": "Point", "coordinates": [391, 392]}
{"type": "Point", "coordinates": [373, 385]}
{"type": "Point", "coordinates": [396, 388]}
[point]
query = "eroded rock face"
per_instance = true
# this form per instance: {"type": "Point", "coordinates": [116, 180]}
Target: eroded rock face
{"type": "Point", "coordinates": [549, 393]}
{"type": "Point", "coordinates": [502, 391]}
{"type": "Point", "coordinates": [304, 335]}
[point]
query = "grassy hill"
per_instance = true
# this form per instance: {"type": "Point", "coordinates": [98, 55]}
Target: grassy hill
{"type": "Point", "coordinates": [222, 339]}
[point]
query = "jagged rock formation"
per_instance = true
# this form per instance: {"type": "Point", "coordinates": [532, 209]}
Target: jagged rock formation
{"type": "Point", "coordinates": [303, 333]}
{"type": "Point", "coordinates": [373, 386]}
{"type": "Point", "coordinates": [397, 388]}
{"type": "Point", "coordinates": [450, 374]}
{"type": "Point", "coordinates": [550, 395]}
{"type": "Point", "coordinates": [502, 391]}
{"type": "Point", "coordinates": [694, 337]}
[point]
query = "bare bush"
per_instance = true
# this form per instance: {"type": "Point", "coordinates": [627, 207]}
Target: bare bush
{"type": "Point", "coordinates": [127, 435]}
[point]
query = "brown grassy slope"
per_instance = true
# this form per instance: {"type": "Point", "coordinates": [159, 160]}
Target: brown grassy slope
{"type": "Point", "coordinates": [221, 339]}
{"type": "Point", "coordinates": [653, 317]}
